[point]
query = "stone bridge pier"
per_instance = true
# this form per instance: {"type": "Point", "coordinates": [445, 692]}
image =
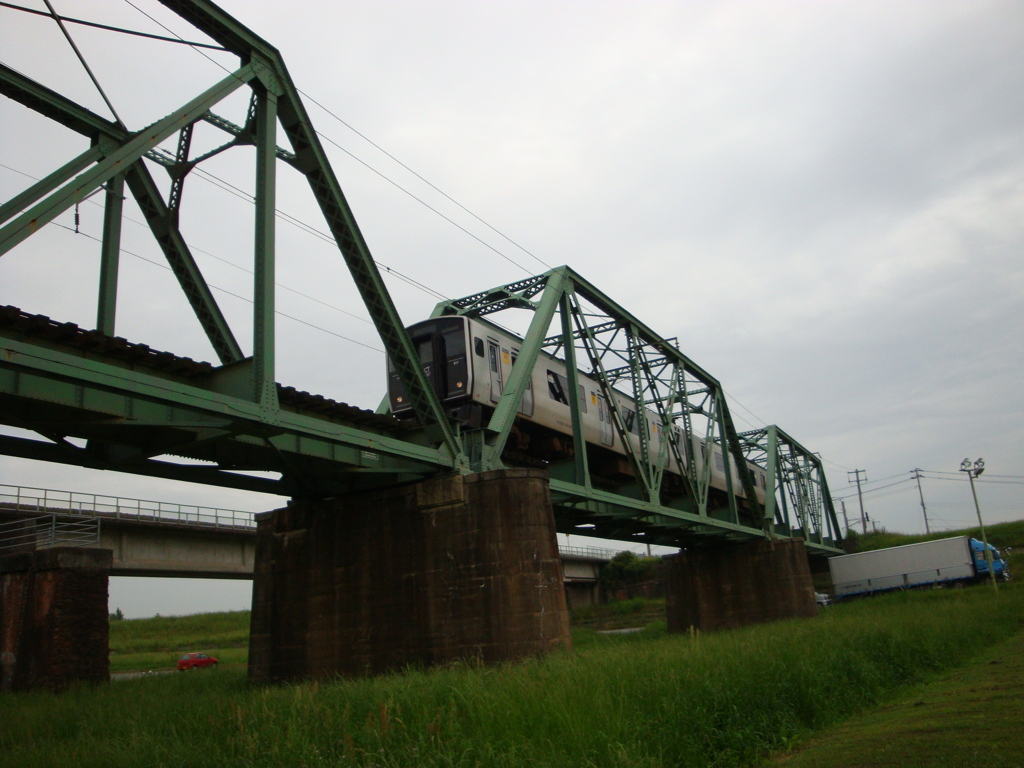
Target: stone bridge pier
{"type": "Point", "coordinates": [448, 568]}
{"type": "Point", "coordinates": [54, 628]}
{"type": "Point", "coordinates": [748, 583]}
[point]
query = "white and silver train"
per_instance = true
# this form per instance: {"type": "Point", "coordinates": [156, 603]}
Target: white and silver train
{"type": "Point", "coordinates": [467, 362]}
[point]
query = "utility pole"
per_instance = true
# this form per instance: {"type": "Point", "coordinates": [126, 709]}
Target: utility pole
{"type": "Point", "coordinates": [857, 473]}
{"type": "Point", "coordinates": [972, 472]}
{"type": "Point", "coordinates": [924, 510]}
{"type": "Point", "coordinates": [842, 503]}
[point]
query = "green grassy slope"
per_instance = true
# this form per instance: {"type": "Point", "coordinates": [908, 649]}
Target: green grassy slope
{"type": "Point", "coordinates": [726, 699]}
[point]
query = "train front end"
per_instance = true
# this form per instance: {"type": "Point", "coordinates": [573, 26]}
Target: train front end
{"type": "Point", "coordinates": [442, 344]}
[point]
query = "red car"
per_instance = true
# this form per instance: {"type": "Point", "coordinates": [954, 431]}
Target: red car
{"type": "Point", "coordinates": [196, 661]}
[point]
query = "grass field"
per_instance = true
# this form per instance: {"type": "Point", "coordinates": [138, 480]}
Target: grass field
{"type": "Point", "coordinates": [643, 699]}
{"type": "Point", "coordinates": [155, 644]}
{"type": "Point", "coordinates": [968, 717]}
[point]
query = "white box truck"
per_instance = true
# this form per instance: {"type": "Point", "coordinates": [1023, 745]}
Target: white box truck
{"type": "Point", "coordinates": [914, 566]}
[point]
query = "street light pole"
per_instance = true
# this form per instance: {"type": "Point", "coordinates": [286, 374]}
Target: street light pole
{"type": "Point", "coordinates": [972, 472]}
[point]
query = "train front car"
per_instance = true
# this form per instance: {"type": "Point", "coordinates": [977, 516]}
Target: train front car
{"type": "Point", "coordinates": [441, 344]}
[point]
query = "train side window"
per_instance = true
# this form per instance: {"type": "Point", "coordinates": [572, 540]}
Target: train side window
{"type": "Point", "coordinates": [629, 417]}
{"type": "Point", "coordinates": [478, 346]}
{"type": "Point", "coordinates": [583, 399]}
{"type": "Point", "coordinates": [494, 358]}
{"type": "Point", "coordinates": [555, 389]}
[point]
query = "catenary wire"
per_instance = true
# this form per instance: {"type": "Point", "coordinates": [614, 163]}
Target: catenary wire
{"type": "Point", "coordinates": [109, 28]}
{"type": "Point", "coordinates": [384, 176]}
{"type": "Point", "coordinates": [225, 291]}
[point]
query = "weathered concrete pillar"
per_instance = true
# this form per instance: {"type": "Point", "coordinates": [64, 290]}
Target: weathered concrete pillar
{"type": "Point", "coordinates": [54, 627]}
{"type": "Point", "coordinates": [742, 584]}
{"type": "Point", "coordinates": [448, 568]}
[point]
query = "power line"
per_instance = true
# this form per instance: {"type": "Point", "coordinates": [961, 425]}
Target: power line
{"type": "Point", "coordinates": [109, 28]}
{"type": "Point", "coordinates": [382, 175]}
{"type": "Point", "coordinates": [241, 194]}
{"type": "Point", "coordinates": [375, 145]}
{"type": "Point", "coordinates": [225, 291]}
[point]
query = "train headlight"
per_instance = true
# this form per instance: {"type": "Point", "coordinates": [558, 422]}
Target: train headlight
{"type": "Point", "coordinates": [458, 385]}
{"type": "Point", "coordinates": [398, 399]}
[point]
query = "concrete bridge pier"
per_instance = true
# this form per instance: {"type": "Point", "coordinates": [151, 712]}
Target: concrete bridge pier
{"type": "Point", "coordinates": [448, 568]}
{"type": "Point", "coordinates": [54, 628]}
{"type": "Point", "coordinates": [749, 583]}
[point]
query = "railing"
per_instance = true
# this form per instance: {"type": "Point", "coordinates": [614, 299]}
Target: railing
{"type": "Point", "coordinates": [49, 531]}
{"type": "Point", "coordinates": [45, 501]}
{"type": "Point", "coordinates": [593, 553]}
{"type": "Point", "coordinates": [48, 501]}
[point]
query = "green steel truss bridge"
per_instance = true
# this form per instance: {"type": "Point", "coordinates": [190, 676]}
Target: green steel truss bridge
{"type": "Point", "coordinates": [96, 400]}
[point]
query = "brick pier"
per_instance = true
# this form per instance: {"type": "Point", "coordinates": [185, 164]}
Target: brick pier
{"type": "Point", "coordinates": [742, 584]}
{"type": "Point", "coordinates": [448, 568]}
{"type": "Point", "coordinates": [54, 628]}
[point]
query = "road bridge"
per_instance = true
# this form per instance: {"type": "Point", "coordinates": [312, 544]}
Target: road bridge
{"type": "Point", "coordinates": [154, 538]}
{"type": "Point", "coordinates": [372, 494]}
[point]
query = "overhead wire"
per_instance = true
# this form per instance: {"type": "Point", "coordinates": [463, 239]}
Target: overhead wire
{"type": "Point", "coordinates": [374, 144]}
{"type": "Point", "coordinates": [384, 176]}
{"type": "Point", "coordinates": [232, 264]}
{"type": "Point", "coordinates": [224, 290]}
{"type": "Point", "coordinates": [108, 28]}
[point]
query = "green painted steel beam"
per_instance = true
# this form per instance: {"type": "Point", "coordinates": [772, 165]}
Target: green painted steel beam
{"type": "Point", "coordinates": [110, 255]}
{"type": "Point", "coordinates": [581, 468]}
{"type": "Point", "coordinates": [264, 387]}
{"type": "Point", "coordinates": [182, 263]}
{"type": "Point", "coordinates": [515, 387]}
{"type": "Point", "coordinates": [117, 393]}
{"type": "Point", "coordinates": [120, 157]}
{"type": "Point", "coordinates": [311, 161]}
{"type": "Point", "coordinates": [106, 135]}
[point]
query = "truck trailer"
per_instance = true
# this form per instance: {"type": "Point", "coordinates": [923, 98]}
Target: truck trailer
{"type": "Point", "coordinates": [940, 563]}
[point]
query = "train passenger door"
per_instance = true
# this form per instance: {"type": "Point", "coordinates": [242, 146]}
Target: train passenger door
{"type": "Point", "coordinates": [494, 364]}
{"type": "Point", "coordinates": [526, 404]}
{"type": "Point", "coordinates": [607, 431]}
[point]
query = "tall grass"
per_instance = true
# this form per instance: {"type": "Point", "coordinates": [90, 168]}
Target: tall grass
{"type": "Point", "coordinates": [658, 700]}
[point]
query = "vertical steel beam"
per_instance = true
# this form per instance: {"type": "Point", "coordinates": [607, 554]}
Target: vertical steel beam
{"type": "Point", "coordinates": [110, 255]}
{"type": "Point", "coordinates": [263, 380]}
{"type": "Point", "coordinates": [771, 471]}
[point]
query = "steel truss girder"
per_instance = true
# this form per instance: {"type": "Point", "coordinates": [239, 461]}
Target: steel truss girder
{"type": "Point", "coordinates": [105, 136]}
{"type": "Point", "coordinates": [623, 355]}
{"type": "Point", "coordinates": [129, 417]}
{"type": "Point", "coordinates": [118, 153]}
{"type": "Point", "coordinates": [797, 495]}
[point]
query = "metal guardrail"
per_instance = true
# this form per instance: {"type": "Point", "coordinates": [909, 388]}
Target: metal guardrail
{"type": "Point", "coordinates": [48, 531]}
{"type": "Point", "coordinates": [49, 501]}
{"type": "Point", "coordinates": [593, 553]}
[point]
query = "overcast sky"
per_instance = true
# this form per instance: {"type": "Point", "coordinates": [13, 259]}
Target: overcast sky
{"type": "Point", "coordinates": [822, 200]}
